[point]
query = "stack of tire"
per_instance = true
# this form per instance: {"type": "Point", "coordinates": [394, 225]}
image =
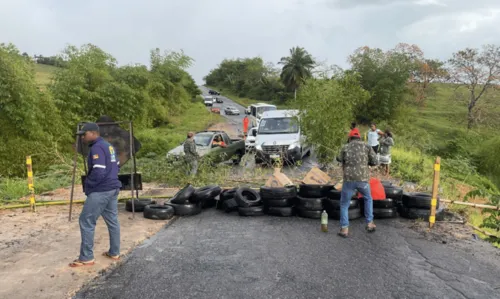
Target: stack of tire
{"type": "Point", "coordinates": [332, 205]}
{"type": "Point", "coordinates": [417, 205]}
{"type": "Point", "coordinates": [190, 201]}
{"type": "Point", "coordinates": [150, 209]}
{"type": "Point", "coordinates": [279, 201]}
{"type": "Point", "coordinates": [245, 200]}
{"type": "Point", "coordinates": [310, 200]}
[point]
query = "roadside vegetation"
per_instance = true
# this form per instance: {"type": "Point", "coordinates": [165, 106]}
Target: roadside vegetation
{"type": "Point", "coordinates": [435, 108]}
{"type": "Point", "coordinates": [43, 98]}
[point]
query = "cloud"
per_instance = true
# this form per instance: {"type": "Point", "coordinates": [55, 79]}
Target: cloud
{"type": "Point", "coordinates": [210, 31]}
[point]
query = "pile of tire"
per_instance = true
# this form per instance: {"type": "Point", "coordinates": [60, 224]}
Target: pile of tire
{"type": "Point", "coordinates": [332, 205]}
{"type": "Point", "coordinates": [150, 209]}
{"type": "Point", "coordinates": [279, 201]}
{"type": "Point", "coordinates": [310, 200]}
{"type": "Point", "coordinates": [246, 201]}
{"type": "Point", "coordinates": [417, 205]}
{"type": "Point", "coordinates": [190, 201]}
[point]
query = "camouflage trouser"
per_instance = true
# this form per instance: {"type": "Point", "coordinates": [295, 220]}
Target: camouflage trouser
{"type": "Point", "coordinates": [192, 167]}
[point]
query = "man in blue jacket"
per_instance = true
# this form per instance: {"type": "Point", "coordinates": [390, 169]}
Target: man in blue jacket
{"type": "Point", "coordinates": [101, 187]}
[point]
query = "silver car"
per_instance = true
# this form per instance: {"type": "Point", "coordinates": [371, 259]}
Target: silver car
{"type": "Point", "coordinates": [230, 110]}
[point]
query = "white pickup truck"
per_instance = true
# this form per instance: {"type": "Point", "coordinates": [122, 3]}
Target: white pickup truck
{"type": "Point", "coordinates": [208, 100]}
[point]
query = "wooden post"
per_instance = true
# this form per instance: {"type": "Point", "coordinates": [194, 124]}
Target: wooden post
{"type": "Point", "coordinates": [435, 187]}
{"type": "Point", "coordinates": [31, 185]}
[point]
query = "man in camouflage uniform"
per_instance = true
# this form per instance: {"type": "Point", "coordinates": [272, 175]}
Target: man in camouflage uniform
{"type": "Point", "coordinates": [191, 155]}
{"type": "Point", "coordinates": [355, 157]}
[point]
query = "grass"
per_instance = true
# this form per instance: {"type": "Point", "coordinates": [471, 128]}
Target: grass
{"type": "Point", "coordinates": [44, 74]}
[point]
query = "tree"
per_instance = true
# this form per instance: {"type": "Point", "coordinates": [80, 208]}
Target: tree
{"type": "Point", "coordinates": [297, 68]}
{"type": "Point", "coordinates": [324, 128]}
{"type": "Point", "coordinates": [478, 72]}
{"type": "Point", "coordinates": [428, 71]}
{"type": "Point", "coordinates": [385, 76]}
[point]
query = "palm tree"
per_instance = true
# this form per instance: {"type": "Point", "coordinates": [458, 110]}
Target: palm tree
{"type": "Point", "coordinates": [296, 68]}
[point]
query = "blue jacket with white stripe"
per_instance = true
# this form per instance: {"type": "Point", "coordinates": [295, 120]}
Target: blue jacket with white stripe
{"type": "Point", "coordinates": [103, 168]}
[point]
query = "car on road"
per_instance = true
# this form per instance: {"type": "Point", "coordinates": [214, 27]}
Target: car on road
{"type": "Point", "coordinates": [208, 100]}
{"type": "Point", "coordinates": [218, 100]}
{"type": "Point", "coordinates": [231, 110]}
{"type": "Point", "coordinates": [213, 92]}
{"type": "Point", "coordinates": [234, 150]}
{"type": "Point", "coordinates": [279, 136]}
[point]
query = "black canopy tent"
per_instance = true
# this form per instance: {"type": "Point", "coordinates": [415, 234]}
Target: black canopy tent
{"type": "Point", "coordinates": [126, 146]}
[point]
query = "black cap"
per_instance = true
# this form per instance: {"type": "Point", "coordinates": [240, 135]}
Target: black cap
{"type": "Point", "coordinates": [88, 127]}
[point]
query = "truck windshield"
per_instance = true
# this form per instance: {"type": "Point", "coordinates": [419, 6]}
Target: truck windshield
{"type": "Point", "coordinates": [283, 125]}
{"type": "Point", "coordinates": [261, 110]}
{"type": "Point", "coordinates": [203, 139]}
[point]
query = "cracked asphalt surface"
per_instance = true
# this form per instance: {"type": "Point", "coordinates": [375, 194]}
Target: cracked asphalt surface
{"type": "Point", "coordinates": [218, 255]}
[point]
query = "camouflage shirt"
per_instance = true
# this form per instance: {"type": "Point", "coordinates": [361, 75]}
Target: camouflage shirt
{"type": "Point", "coordinates": [190, 150]}
{"type": "Point", "coordinates": [355, 158]}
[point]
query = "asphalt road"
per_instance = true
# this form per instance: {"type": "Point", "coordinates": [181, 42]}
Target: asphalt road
{"type": "Point", "coordinates": [216, 255]}
{"type": "Point", "coordinates": [237, 120]}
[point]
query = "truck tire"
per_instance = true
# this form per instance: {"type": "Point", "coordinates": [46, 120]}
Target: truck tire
{"type": "Point", "coordinates": [305, 213]}
{"type": "Point", "coordinates": [284, 202]}
{"type": "Point", "coordinates": [352, 214]}
{"type": "Point", "coordinates": [418, 200]}
{"type": "Point", "coordinates": [158, 212]}
{"type": "Point", "coordinates": [414, 213]}
{"type": "Point", "coordinates": [185, 210]}
{"type": "Point", "coordinates": [334, 204]}
{"type": "Point", "coordinates": [310, 204]}
{"type": "Point", "coordinates": [205, 193]}
{"type": "Point", "coordinates": [334, 194]}
{"type": "Point", "coordinates": [183, 196]}
{"type": "Point", "coordinates": [246, 197]}
{"type": "Point", "coordinates": [311, 191]}
{"type": "Point", "coordinates": [251, 211]}
{"type": "Point", "coordinates": [230, 205]}
{"type": "Point", "coordinates": [139, 204]}
{"type": "Point", "coordinates": [272, 193]}
{"type": "Point", "coordinates": [279, 211]}
{"type": "Point", "coordinates": [385, 213]}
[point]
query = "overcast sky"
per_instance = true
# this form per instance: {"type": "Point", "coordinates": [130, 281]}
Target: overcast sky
{"type": "Point", "coordinates": [210, 31]}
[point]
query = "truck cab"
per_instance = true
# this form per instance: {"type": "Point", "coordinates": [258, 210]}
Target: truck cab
{"type": "Point", "coordinates": [208, 100]}
{"type": "Point", "coordinates": [255, 112]}
{"type": "Point", "coordinates": [279, 136]}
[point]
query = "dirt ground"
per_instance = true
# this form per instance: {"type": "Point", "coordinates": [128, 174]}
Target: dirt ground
{"type": "Point", "coordinates": [36, 248]}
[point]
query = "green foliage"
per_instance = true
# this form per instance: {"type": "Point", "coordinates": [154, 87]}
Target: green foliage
{"type": "Point", "coordinates": [385, 76]}
{"type": "Point", "coordinates": [326, 128]}
{"type": "Point", "coordinates": [248, 77]}
{"type": "Point", "coordinates": [487, 158]}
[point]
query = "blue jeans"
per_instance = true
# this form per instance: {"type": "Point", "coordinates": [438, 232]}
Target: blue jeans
{"type": "Point", "coordinates": [97, 204]}
{"type": "Point", "coordinates": [348, 190]}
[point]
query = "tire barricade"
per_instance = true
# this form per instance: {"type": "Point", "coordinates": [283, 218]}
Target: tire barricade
{"type": "Point", "coordinates": [306, 201]}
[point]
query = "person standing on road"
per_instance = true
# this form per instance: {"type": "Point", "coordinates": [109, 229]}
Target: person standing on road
{"type": "Point", "coordinates": [386, 142]}
{"type": "Point", "coordinates": [245, 125]}
{"type": "Point", "coordinates": [373, 136]}
{"type": "Point", "coordinates": [191, 154]}
{"type": "Point", "coordinates": [355, 157]}
{"type": "Point", "coordinates": [101, 187]}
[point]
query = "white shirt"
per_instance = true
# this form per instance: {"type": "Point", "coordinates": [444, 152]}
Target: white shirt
{"type": "Point", "coordinates": [373, 137]}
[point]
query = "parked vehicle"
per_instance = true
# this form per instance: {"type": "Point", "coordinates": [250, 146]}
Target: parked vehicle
{"type": "Point", "coordinates": [218, 100]}
{"type": "Point", "coordinates": [215, 110]}
{"type": "Point", "coordinates": [231, 110]}
{"type": "Point", "coordinates": [279, 136]}
{"type": "Point", "coordinates": [210, 91]}
{"type": "Point", "coordinates": [233, 152]}
{"type": "Point", "coordinates": [256, 111]}
{"type": "Point", "coordinates": [250, 140]}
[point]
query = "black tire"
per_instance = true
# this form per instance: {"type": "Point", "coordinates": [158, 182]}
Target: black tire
{"type": "Point", "coordinates": [247, 197]}
{"type": "Point", "coordinates": [304, 213]}
{"type": "Point", "coordinates": [227, 194]}
{"type": "Point", "coordinates": [311, 191]}
{"type": "Point", "coordinates": [414, 213]}
{"type": "Point", "coordinates": [208, 203]}
{"type": "Point", "coordinates": [386, 183]}
{"type": "Point", "coordinates": [204, 193]}
{"type": "Point", "coordinates": [311, 204]}
{"type": "Point", "coordinates": [385, 213]}
{"type": "Point", "coordinates": [279, 211]}
{"type": "Point", "coordinates": [230, 205]}
{"type": "Point", "coordinates": [158, 212]}
{"type": "Point", "coordinates": [334, 204]}
{"type": "Point", "coordinates": [185, 210]}
{"type": "Point", "coordinates": [387, 203]}
{"type": "Point", "coordinates": [273, 193]}
{"type": "Point", "coordinates": [285, 202]}
{"type": "Point", "coordinates": [183, 196]}
{"type": "Point", "coordinates": [352, 214]}
{"type": "Point", "coordinates": [418, 200]}
{"type": "Point", "coordinates": [139, 204]}
{"type": "Point", "coordinates": [334, 194]}
{"type": "Point", "coordinates": [393, 192]}
{"type": "Point", "coordinates": [251, 211]}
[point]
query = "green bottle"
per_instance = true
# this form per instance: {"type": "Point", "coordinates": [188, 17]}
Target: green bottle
{"type": "Point", "coordinates": [324, 222]}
